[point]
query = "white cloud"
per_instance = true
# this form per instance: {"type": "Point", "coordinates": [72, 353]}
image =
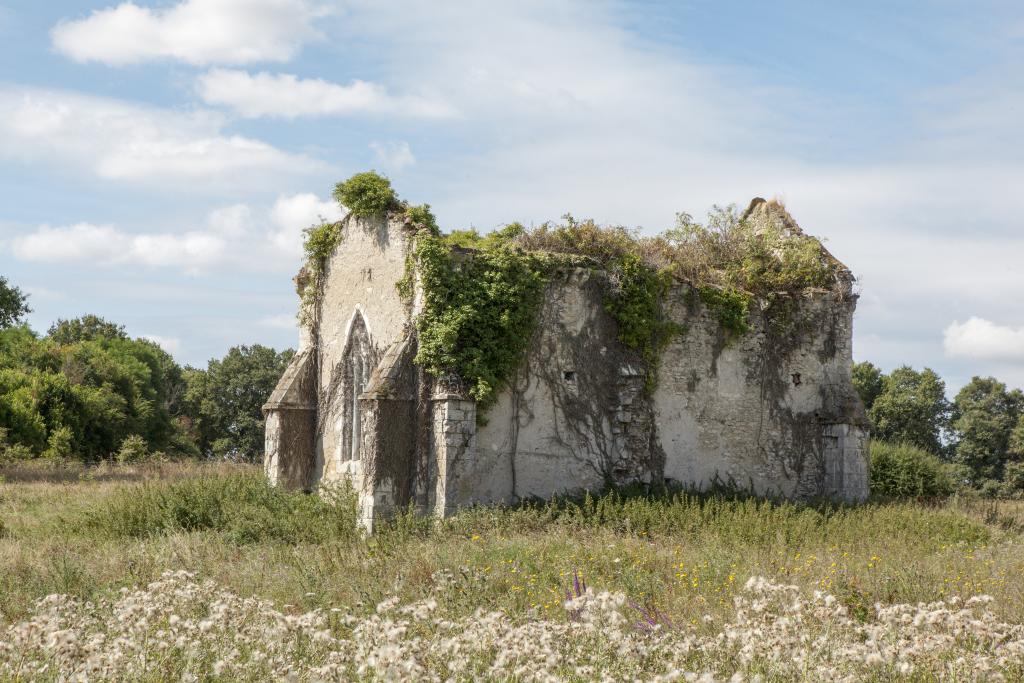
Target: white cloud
{"type": "Point", "coordinates": [292, 214]}
{"type": "Point", "coordinates": [231, 221]}
{"type": "Point", "coordinates": [171, 345]}
{"type": "Point", "coordinates": [79, 242]}
{"type": "Point", "coordinates": [287, 96]}
{"type": "Point", "coordinates": [393, 155]}
{"type": "Point", "coordinates": [234, 235]}
{"type": "Point", "coordinates": [193, 31]}
{"type": "Point", "coordinates": [983, 339]}
{"type": "Point", "coordinates": [117, 140]}
{"type": "Point", "coordinates": [104, 244]}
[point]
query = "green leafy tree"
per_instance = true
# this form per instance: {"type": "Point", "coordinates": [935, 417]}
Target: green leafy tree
{"type": "Point", "coordinates": [911, 408]}
{"type": "Point", "coordinates": [868, 381]}
{"type": "Point", "coordinates": [1016, 445]}
{"type": "Point", "coordinates": [86, 328]}
{"type": "Point", "coordinates": [987, 415]}
{"type": "Point", "coordinates": [85, 387]}
{"type": "Point", "coordinates": [225, 402]}
{"type": "Point", "coordinates": [13, 304]}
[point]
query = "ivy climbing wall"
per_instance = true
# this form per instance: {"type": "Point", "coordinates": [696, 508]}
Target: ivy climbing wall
{"type": "Point", "coordinates": [750, 411]}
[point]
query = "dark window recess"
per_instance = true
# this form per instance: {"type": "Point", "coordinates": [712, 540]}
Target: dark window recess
{"type": "Point", "coordinates": [569, 375]}
{"type": "Point", "coordinates": [796, 379]}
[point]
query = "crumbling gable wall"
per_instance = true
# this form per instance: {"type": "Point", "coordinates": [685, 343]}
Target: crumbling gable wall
{"type": "Point", "coordinates": [359, 290]}
{"type": "Point", "coordinates": [752, 412]}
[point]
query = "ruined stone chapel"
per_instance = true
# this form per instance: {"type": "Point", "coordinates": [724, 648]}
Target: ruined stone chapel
{"type": "Point", "coordinates": [726, 386]}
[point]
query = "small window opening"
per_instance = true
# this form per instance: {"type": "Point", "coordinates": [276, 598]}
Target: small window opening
{"type": "Point", "coordinates": [796, 379]}
{"type": "Point", "coordinates": [569, 375]}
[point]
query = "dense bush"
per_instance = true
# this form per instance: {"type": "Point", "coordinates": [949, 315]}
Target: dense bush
{"type": "Point", "coordinates": [912, 408]}
{"type": "Point", "coordinates": [366, 194]}
{"type": "Point", "coordinates": [987, 415]}
{"type": "Point", "coordinates": [868, 381]}
{"type": "Point", "coordinates": [13, 304]}
{"type": "Point", "coordinates": [981, 431]}
{"type": "Point", "coordinates": [907, 471]}
{"type": "Point", "coordinates": [88, 391]}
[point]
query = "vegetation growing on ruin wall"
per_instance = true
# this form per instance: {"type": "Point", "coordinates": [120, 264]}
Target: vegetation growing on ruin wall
{"type": "Point", "coordinates": [364, 194]}
{"type": "Point", "coordinates": [478, 311]}
{"type": "Point", "coordinates": [482, 293]}
{"type": "Point", "coordinates": [367, 194]}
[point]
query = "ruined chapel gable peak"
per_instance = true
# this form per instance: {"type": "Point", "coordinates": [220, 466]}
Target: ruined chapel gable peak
{"type": "Point", "coordinates": [771, 212]}
{"type": "Point", "coordinates": [764, 213]}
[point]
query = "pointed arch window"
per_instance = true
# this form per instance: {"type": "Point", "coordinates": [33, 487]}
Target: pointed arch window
{"type": "Point", "coordinates": [356, 363]}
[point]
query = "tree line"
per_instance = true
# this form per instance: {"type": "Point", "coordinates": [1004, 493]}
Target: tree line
{"type": "Point", "coordinates": [979, 435]}
{"type": "Point", "coordinates": [86, 390]}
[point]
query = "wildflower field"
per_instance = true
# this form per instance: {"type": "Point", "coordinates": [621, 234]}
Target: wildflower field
{"type": "Point", "coordinates": [176, 572]}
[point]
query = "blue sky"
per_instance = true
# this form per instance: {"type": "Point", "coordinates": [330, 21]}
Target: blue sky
{"type": "Point", "coordinates": [158, 160]}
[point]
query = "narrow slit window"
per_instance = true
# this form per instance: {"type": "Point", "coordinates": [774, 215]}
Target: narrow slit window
{"type": "Point", "coordinates": [357, 388]}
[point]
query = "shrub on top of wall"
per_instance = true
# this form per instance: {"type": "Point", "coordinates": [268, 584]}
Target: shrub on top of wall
{"type": "Point", "coordinates": [478, 312]}
{"type": "Point", "coordinates": [367, 194]}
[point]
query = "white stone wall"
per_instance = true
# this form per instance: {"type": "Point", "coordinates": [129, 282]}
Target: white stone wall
{"type": "Point", "coordinates": [361, 275]}
{"type": "Point", "coordinates": [527, 447]}
{"type": "Point", "coordinates": [454, 448]}
{"type": "Point", "coordinates": [745, 412]}
{"type": "Point", "coordinates": [272, 440]}
{"type": "Point", "coordinates": [742, 412]}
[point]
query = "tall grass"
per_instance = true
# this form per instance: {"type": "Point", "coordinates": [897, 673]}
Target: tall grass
{"type": "Point", "coordinates": [681, 553]}
{"type": "Point", "coordinates": [242, 506]}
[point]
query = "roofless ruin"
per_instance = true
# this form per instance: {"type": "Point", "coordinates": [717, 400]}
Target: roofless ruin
{"type": "Point", "coordinates": [443, 371]}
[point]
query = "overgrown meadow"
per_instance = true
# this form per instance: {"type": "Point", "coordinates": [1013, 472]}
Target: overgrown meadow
{"type": "Point", "coordinates": [190, 572]}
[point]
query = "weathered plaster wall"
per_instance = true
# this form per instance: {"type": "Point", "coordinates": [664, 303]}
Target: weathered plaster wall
{"type": "Point", "coordinates": [360, 276]}
{"type": "Point", "coordinates": [290, 437]}
{"type": "Point", "coordinates": [565, 423]}
{"type": "Point", "coordinates": [752, 412]}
